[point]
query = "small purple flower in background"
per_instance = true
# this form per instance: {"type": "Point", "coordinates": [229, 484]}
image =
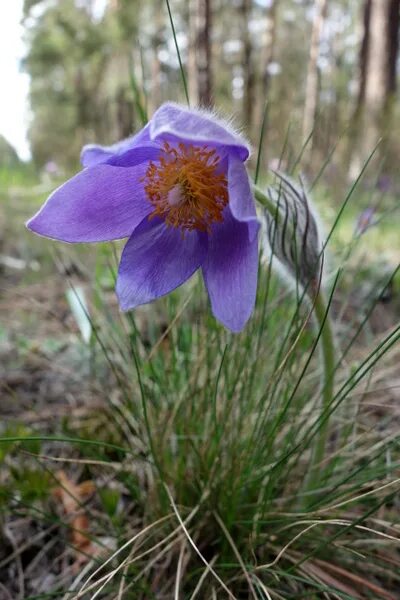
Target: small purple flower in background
{"type": "Point", "coordinates": [365, 220]}
{"type": "Point", "coordinates": [384, 183]}
{"type": "Point", "coordinates": [51, 168]}
{"type": "Point", "coordinates": [180, 191]}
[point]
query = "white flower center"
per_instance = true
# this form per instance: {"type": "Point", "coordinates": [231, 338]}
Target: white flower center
{"type": "Point", "coordinates": [176, 195]}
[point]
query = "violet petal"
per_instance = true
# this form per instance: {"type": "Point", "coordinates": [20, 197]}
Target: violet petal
{"type": "Point", "coordinates": [94, 154]}
{"type": "Point", "coordinates": [195, 126]}
{"type": "Point", "coordinates": [241, 200]}
{"type": "Point", "coordinates": [99, 204]}
{"type": "Point", "coordinates": [230, 272]}
{"type": "Point", "coordinates": [156, 260]}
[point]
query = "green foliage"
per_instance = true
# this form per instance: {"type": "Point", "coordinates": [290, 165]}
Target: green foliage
{"type": "Point", "coordinates": [110, 499]}
{"type": "Point", "coordinates": [11, 431]}
{"type": "Point", "coordinates": [27, 483]}
{"type": "Point", "coordinates": [8, 157]}
{"type": "Point", "coordinates": [31, 485]}
{"type": "Point", "coordinates": [78, 85]}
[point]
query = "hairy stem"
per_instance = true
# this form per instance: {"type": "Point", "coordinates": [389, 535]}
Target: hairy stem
{"type": "Point", "coordinates": [327, 345]}
{"type": "Point", "coordinates": [265, 201]}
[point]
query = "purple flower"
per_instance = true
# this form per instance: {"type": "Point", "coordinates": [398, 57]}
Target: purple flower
{"type": "Point", "coordinates": [365, 220]}
{"type": "Point", "coordinates": [180, 191]}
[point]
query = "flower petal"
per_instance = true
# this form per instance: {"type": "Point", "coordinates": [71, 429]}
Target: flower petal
{"type": "Point", "coordinates": [98, 204]}
{"type": "Point", "coordinates": [155, 261]}
{"type": "Point", "coordinates": [135, 156]}
{"type": "Point", "coordinates": [241, 199]}
{"type": "Point", "coordinates": [230, 272]}
{"type": "Point", "coordinates": [195, 126]}
{"type": "Point", "coordinates": [93, 154]}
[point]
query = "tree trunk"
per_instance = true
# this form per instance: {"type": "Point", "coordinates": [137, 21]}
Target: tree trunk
{"type": "Point", "coordinates": [393, 31]}
{"type": "Point", "coordinates": [124, 113]}
{"type": "Point", "coordinates": [155, 97]}
{"type": "Point", "coordinates": [268, 53]}
{"type": "Point", "coordinates": [247, 65]}
{"type": "Point", "coordinates": [203, 52]}
{"type": "Point", "coordinates": [380, 55]}
{"type": "Point", "coordinates": [311, 99]}
{"type": "Point", "coordinates": [267, 56]}
{"type": "Point", "coordinates": [363, 54]}
{"type": "Point", "coordinates": [377, 82]}
{"type": "Point", "coordinates": [191, 60]}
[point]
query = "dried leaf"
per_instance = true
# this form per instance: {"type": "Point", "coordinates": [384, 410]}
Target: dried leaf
{"type": "Point", "coordinates": [71, 496]}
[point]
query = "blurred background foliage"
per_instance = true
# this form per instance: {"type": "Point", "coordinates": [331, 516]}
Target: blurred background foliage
{"type": "Point", "coordinates": [329, 64]}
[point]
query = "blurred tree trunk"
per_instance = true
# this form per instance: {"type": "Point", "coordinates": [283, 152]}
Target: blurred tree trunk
{"type": "Point", "coordinates": [247, 65]}
{"type": "Point", "coordinates": [268, 48]}
{"type": "Point", "coordinates": [202, 24]}
{"type": "Point", "coordinates": [267, 56]}
{"type": "Point", "coordinates": [393, 29]}
{"type": "Point", "coordinates": [363, 54]}
{"type": "Point", "coordinates": [377, 80]}
{"type": "Point", "coordinates": [155, 97]}
{"type": "Point", "coordinates": [378, 55]}
{"type": "Point", "coordinates": [311, 99]}
{"type": "Point", "coordinates": [124, 112]}
{"type": "Point", "coordinates": [191, 62]}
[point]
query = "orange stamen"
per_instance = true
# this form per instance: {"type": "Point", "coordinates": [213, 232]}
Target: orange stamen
{"type": "Point", "coordinates": [186, 189]}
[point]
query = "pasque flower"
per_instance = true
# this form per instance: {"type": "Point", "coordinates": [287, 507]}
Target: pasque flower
{"type": "Point", "coordinates": [180, 192]}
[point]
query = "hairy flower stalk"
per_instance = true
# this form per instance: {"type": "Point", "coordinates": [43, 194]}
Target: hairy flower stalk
{"type": "Point", "coordinates": [294, 238]}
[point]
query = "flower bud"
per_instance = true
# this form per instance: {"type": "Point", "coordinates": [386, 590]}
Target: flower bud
{"type": "Point", "coordinates": [293, 231]}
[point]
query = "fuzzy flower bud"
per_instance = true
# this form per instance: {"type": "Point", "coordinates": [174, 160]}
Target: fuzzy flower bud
{"type": "Point", "coordinates": [293, 232]}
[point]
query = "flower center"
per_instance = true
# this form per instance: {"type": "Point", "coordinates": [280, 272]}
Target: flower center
{"type": "Point", "coordinates": [185, 187]}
